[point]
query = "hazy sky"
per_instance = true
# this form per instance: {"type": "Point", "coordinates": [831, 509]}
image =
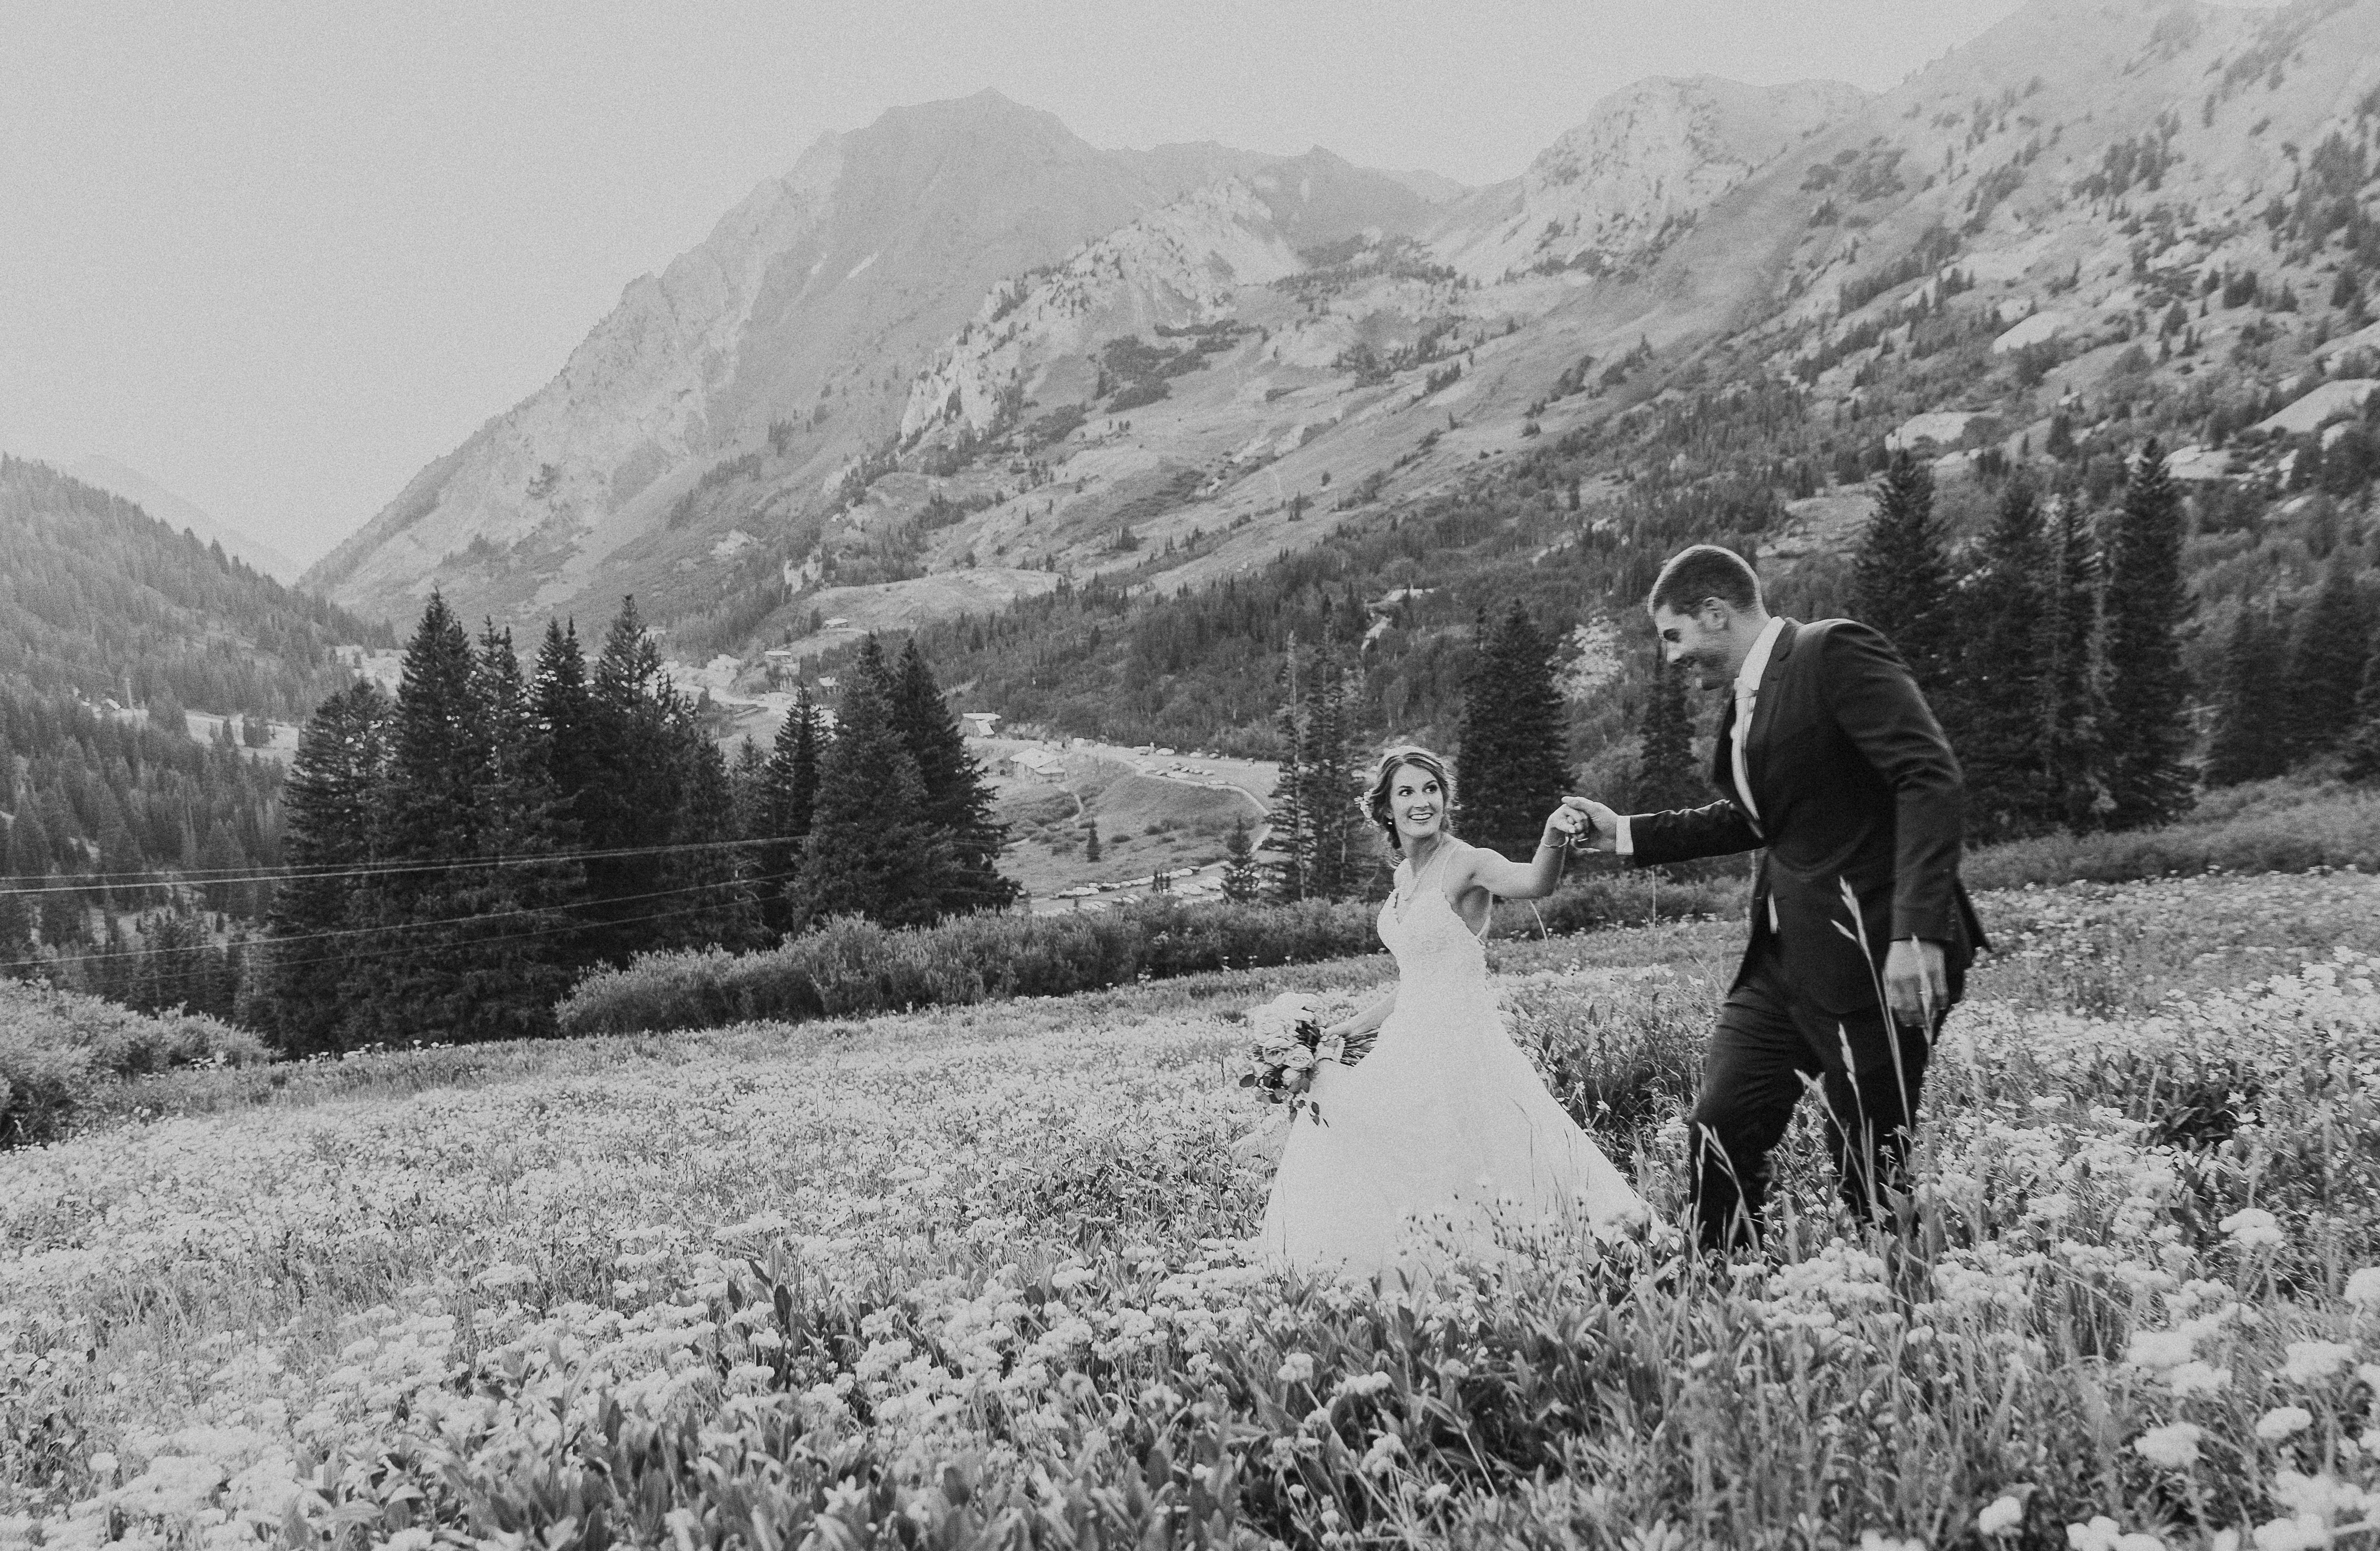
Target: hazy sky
{"type": "Point", "coordinates": [278, 257]}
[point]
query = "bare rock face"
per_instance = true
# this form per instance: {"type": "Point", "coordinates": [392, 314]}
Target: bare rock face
{"type": "Point", "coordinates": [960, 353]}
{"type": "Point", "coordinates": [1180, 267]}
{"type": "Point", "coordinates": [806, 310]}
{"type": "Point", "coordinates": [1645, 164]}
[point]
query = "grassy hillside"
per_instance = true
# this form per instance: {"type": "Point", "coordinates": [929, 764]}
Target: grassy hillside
{"type": "Point", "coordinates": [982, 1271]}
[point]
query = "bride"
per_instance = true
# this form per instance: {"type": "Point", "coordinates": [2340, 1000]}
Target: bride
{"type": "Point", "coordinates": [1444, 1142]}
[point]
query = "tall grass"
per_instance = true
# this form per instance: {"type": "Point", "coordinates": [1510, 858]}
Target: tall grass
{"type": "Point", "coordinates": [968, 1277]}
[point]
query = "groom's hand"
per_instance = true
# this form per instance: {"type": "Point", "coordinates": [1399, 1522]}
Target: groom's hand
{"type": "Point", "coordinates": [1916, 987]}
{"type": "Point", "coordinates": [1604, 832]}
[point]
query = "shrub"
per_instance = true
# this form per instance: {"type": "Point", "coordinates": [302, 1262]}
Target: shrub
{"type": "Point", "coordinates": [54, 1046]}
{"type": "Point", "coordinates": [852, 967]}
{"type": "Point", "coordinates": [2271, 826]}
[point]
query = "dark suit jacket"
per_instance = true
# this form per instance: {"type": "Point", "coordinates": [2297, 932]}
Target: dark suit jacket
{"type": "Point", "coordinates": [1857, 789]}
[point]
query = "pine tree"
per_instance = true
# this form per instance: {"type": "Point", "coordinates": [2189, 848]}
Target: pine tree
{"type": "Point", "coordinates": [415, 980]}
{"type": "Point", "coordinates": [438, 746]}
{"type": "Point", "coordinates": [561, 716]}
{"type": "Point", "coordinates": [1900, 581]}
{"type": "Point", "coordinates": [330, 803]}
{"type": "Point", "coordinates": [516, 960]}
{"type": "Point", "coordinates": [1290, 839]}
{"type": "Point", "coordinates": [1666, 777]}
{"type": "Point", "coordinates": [2004, 622]}
{"type": "Point", "coordinates": [2074, 705]}
{"type": "Point", "coordinates": [958, 804]}
{"type": "Point", "coordinates": [710, 897]}
{"type": "Point", "coordinates": [1336, 859]}
{"type": "Point", "coordinates": [749, 773]}
{"type": "Point", "coordinates": [793, 781]}
{"type": "Point", "coordinates": [31, 855]}
{"type": "Point", "coordinates": [1091, 840]}
{"type": "Point", "coordinates": [636, 766]}
{"type": "Point", "coordinates": [1243, 881]}
{"type": "Point", "coordinates": [2362, 763]}
{"type": "Point", "coordinates": [2247, 743]}
{"type": "Point", "coordinates": [1513, 767]}
{"type": "Point", "coordinates": [65, 918]}
{"type": "Point", "coordinates": [16, 918]}
{"type": "Point", "coordinates": [868, 852]}
{"type": "Point", "coordinates": [2148, 726]}
{"type": "Point", "coordinates": [2326, 667]}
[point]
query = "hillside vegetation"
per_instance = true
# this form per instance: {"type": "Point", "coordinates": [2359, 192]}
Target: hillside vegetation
{"type": "Point", "coordinates": [99, 600]}
{"type": "Point", "coordinates": [975, 1278]}
{"type": "Point", "coordinates": [112, 626]}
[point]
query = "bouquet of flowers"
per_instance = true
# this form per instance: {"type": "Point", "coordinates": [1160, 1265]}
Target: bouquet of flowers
{"type": "Point", "coordinates": [1286, 1043]}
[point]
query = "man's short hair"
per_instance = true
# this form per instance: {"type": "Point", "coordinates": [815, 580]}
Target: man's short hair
{"type": "Point", "coordinates": [1703, 571]}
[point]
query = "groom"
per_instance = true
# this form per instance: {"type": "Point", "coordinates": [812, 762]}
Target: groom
{"type": "Point", "coordinates": [1861, 932]}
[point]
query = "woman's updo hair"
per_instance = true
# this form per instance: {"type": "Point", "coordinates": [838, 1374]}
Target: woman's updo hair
{"type": "Point", "coordinates": [1376, 793]}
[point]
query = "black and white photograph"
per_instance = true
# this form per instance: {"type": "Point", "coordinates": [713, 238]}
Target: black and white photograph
{"type": "Point", "coordinates": [811, 776]}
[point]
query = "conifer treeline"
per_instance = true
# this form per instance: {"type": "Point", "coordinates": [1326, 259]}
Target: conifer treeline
{"type": "Point", "coordinates": [2298, 688]}
{"type": "Point", "coordinates": [101, 601]}
{"type": "Point", "coordinates": [101, 814]}
{"type": "Point", "coordinates": [462, 851]}
{"type": "Point", "coordinates": [2055, 666]}
{"type": "Point", "coordinates": [1511, 766]}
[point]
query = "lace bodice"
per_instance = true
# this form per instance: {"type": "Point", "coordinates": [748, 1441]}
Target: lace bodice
{"type": "Point", "coordinates": [1438, 956]}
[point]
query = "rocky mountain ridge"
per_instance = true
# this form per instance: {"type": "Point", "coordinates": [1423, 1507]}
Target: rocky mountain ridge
{"type": "Point", "coordinates": [1210, 356]}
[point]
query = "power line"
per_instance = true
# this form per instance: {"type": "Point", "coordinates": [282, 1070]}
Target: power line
{"type": "Point", "coordinates": [424, 926]}
{"type": "Point", "coordinates": [83, 882]}
{"type": "Point", "coordinates": [501, 937]}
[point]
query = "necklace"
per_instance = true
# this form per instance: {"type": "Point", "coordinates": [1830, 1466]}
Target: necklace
{"type": "Point", "coordinates": [1400, 898]}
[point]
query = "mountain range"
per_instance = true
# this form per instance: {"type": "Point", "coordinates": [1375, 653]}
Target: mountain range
{"type": "Point", "coordinates": [961, 355]}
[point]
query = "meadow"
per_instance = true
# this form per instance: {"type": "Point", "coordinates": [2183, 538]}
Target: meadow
{"type": "Point", "coordinates": [971, 1276]}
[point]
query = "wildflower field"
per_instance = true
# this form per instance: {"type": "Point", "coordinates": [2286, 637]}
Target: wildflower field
{"type": "Point", "coordinates": [971, 1277]}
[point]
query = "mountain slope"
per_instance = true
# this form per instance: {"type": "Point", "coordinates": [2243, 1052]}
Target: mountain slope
{"type": "Point", "coordinates": [99, 601]}
{"type": "Point", "coordinates": [788, 328]}
{"type": "Point", "coordinates": [1284, 353]}
{"type": "Point", "coordinates": [1650, 159]}
{"type": "Point", "coordinates": [173, 511]}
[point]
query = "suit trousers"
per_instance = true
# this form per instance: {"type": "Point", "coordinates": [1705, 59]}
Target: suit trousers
{"type": "Point", "coordinates": [1771, 1045]}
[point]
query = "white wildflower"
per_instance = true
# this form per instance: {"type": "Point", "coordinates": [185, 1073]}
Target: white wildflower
{"type": "Point", "coordinates": [2253, 1227]}
{"type": "Point", "coordinates": [2100, 1534]}
{"type": "Point", "coordinates": [1876, 1540]}
{"type": "Point", "coordinates": [2283, 1422]}
{"type": "Point", "coordinates": [2293, 1535]}
{"type": "Point", "coordinates": [2312, 1360]}
{"type": "Point", "coordinates": [2000, 1516]}
{"type": "Point", "coordinates": [2174, 1446]}
{"type": "Point", "coordinates": [2161, 1349]}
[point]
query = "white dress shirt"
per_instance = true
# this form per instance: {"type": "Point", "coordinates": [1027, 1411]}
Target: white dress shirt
{"type": "Point", "coordinates": [1747, 696]}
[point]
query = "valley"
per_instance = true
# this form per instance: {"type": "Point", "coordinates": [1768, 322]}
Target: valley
{"type": "Point", "coordinates": [2091, 225]}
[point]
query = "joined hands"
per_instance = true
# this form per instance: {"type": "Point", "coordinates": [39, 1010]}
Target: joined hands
{"type": "Point", "coordinates": [1584, 824]}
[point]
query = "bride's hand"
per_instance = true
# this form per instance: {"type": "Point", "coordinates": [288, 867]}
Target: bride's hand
{"type": "Point", "coordinates": [1590, 825]}
{"type": "Point", "coordinates": [1570, 824]}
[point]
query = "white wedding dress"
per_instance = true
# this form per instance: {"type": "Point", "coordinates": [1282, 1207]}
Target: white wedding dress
{"type": "Point", "coordinates": [1442, 1143]}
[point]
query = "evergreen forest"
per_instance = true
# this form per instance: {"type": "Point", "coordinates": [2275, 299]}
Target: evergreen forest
{"type": "Point", "coordinates": [461, 852]}
{"type": "Point", "coordinates": [132, 850]}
